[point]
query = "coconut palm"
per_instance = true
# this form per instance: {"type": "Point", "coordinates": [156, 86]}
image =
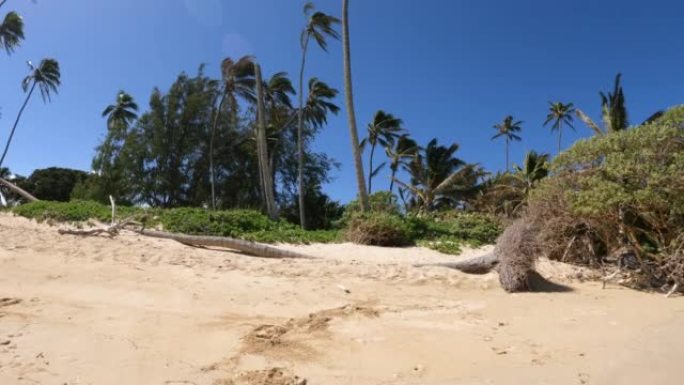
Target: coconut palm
{"type": "Point", "coordinates": [351, 114]}
{"type": "Point", "coordinates": [319, 104]}
{"type": "Point", "coordinates": [47, 78]}
{"type": "Point", "coordinates": [238, 82]}
{"type": "Point", "coordinates": [560, 114]}
{"type": "Point", "coordinates": [277, 92]}
{"type": "Point", "coordinates": [319, 26]}
{"type": "Point", "coordinates": [613, 111]}
{"type": "Point", "coordinates": [121, 114]}
{"type": "Point", "coordinates": [514, 188]}
{"type": "Point", "coordinates": [438, 177]}
{"type": "Point", "coordinates": [384, 130]}
{"type": "Point", "coordinates": [11, 32]}
{"type": "Point", "coordinates": [404, 149]}
{"type": "Point", "coordinates": [507, 129]}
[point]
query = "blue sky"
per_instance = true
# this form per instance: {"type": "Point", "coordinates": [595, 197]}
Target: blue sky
{"type": "Point", "coordinates": [449, 68]}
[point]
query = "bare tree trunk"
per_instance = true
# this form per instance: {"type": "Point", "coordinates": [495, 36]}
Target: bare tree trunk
{"type": "Point", "coordinates": [351, 115]}
{"type": "Point", "coordinates": [247, 247]}
{"type": "Point", "coordinates": [370, 171]}
{"type": "Point", "coordinates": [18, 190]}
{"type": "Point", "coordinates": [262, 148]}
{"type": "Point", "coordinates": [477, 265]}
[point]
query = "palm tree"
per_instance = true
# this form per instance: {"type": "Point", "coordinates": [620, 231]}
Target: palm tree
{"type": "Point", "coordinates": [277, 91]}
{"type": "Point", "coordinates": [121, 114]}
{"type": "Point", "coordinates": [560, 114]}
{"type": "Point", "coordinates": [11, 32]}
{"type": "Point", "coordinates": [613, 111]}
{"type": "Point", "coordinates": [319, 26]}
{"type": "Point", "coordinates": [351, 114]}
{"type": "Point", "coordinates": [404, 149]}
{"type": "Point", "coordinates": [516, 186]}
{"type": "Point", "coordinates": [318, 103]}
{"type": "Point", "coordinates": [508, 129]}
{"type": "Point", "coordinates": [238, 81]}
{"type": "Point", "coordinates": [47, 78]}
{"type": "Point", "coordinates": [437, 176]}
{"type": "Point", "coordinates": [384, 129]}
{"type": "Point", "coordinates": [262, 147]}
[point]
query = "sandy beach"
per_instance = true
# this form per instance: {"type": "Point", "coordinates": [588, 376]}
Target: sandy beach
{"type": "Point", "coordinates": [134, 310]}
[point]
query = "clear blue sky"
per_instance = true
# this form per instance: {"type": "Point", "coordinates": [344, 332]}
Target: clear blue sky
{"type": "Point", "coordinates": [449, 68]}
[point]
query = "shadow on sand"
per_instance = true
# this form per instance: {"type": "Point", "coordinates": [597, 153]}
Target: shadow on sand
{"type": "Point", "coordinates": [540, 284]}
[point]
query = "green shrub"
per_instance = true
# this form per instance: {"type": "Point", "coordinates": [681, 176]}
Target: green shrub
{"type": "Point", "coordinates": [472, 229]}
{"type": "Point", "coordinates": [381, 202]}
{"type": "Point", "coordinates": [621, 188]}
{"type": "Point", "coordinates": [74, 211]}
{"type": "Point", "coordinates": [444, 244]}
{"type": "Point", "coordinates": [379, 229]}
{"type": "Point", "coordinates": [244, 224]}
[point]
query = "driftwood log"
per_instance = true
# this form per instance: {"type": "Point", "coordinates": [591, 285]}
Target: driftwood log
{"type": "Point", "coordinates": [478, 265]}
{"type": "Point", "coordinates": [18, 190]}
{"type": "Point", "coordinates": [247, 247]}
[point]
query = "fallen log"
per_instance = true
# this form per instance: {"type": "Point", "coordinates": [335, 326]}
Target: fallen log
{"type": "Point", "coordinates": [478, 265]}
{"type": "Point", "coordinates": [18, 190]}
{"type": "Point", "coordinates": [247, 247]}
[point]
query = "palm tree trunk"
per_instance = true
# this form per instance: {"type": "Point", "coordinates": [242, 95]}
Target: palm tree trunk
{"type": "Point", "coordinates": [351, 115]}
{"type": "Point", "coordinates": [212, 172]}
{"type": "Point", "coordinates": [370, 170]}
{"type": "Point", "coordinates": [560, 136]}
{"type": "Point", "coordinates": [18, 190]}
{"type": "Point", "coordinates": [391, 187]}
{"type": "Point", "coordinates": [300, 139]}
{"type": "Point", "coordinates": [507, 164]}
{"type": "Point", "coordinates": [262, 148]}
{"type": "Point", "coordinates": [16, 123]}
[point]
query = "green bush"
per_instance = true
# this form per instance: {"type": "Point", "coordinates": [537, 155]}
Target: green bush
{"type": "Point", "coordinates": [621, 188]}
{"type": "Point", "coordinates": [74, 211]}
{"type": "Point", "coordinates": [379, 229]}
{"type": "Point", "coordinates": [470, 228]}
{"type": "Point", "coordinates": [381, 202]}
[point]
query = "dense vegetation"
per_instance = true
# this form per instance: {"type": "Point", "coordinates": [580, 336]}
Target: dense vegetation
{"type": "Point", "coordinates": [233, 156]}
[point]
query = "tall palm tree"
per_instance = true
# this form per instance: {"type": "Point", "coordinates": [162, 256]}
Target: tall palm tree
{"type": "Point", "coordinates": [560, 114]}
{"type": "Point", "coordinates": [613, 111]}
{"type": "Point", "coordinates": [384, 130]}
{"type": "Point", "coordinates": [277, 92]}
{"type": "Point", "coordinates": [319, 26]}
{"type": "Point", "coordinates": [47, 78]}
{"type": "Point", "coordinates": [404, 149]}
{"type": "Point", "coordinates": [11, 32]}
{"type": "Point", "coordinates": [507, 129]}
{"type": "Point", "coordinates": [122, 113]}
{"type": "Point", "coordinates": [351, 114]}
{"type": "Point", "coordinates": [238, 82]}
{"type": "Point", "coordinates": [262, 147]}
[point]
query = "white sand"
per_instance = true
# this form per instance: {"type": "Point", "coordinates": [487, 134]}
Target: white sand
{"type": "Point", "coordinates": [134, 310]}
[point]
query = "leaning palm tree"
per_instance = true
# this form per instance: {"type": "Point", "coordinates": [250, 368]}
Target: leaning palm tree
{"type": "Point", "coordinates": [238, 82]}
{"type": "Point", "coordinates": [47, 78]}
{"type": "Point", "coordinates": [319, 103]}
{"type": "Point", "coordinates": [384, 130]}
{"type": "Point", "coordinates": [507, 129]}
{"type": "Point", "coordinates": [11, 32]}
{"type": "Point", "coordinates": [613, 111]}
{"type": "Point", "coordinates": [351, 114]}
{"type": "Point", "coordinates": [405, 149]}
{"type": "Point", "coordinates": [319, 26]}
{"type": "Point", "coordinates": [560, 114]}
